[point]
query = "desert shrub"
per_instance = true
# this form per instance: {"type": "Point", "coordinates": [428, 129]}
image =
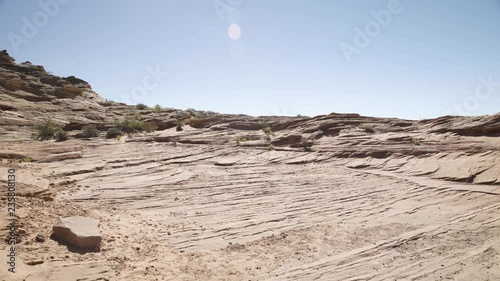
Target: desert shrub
{"type": "Point", "coordinates": [196, 122]}
{"type": "Point", "coordinates": [61, 135]}
{"type": "Point", "coordinates": [243, 139]}
{"type": "Point", "coordinates": [113, 133]}
{"type": "Point", "coordinates": [267, 130]}
{"type": "Point", "coordinates": [149, 127]}
{"type": "Point", "coordinates": [368, 128]}
{"type": "Point", "coordinates": [90, 131]}
{"type": "Point", "coordinates": [12, 85]}
{"type": "Point", "coordinates": [179, 128]}
{"type": "Point", "coordinates": [141, 106]}
{"type": "Point", "coordinates": [27, 160]}
{"type": "Point", "coordinates": [307, 143]}
{"type": "Point", "coordinates": [158, 108]}
{"type": "Point", "coordinates": [129, 125]}
{"type": "Point", "coordinates": [47, 130]}
{"type": "Point", "coordinates": [107, 103]}
{"type": "Point", "coordinates": [240, 140]}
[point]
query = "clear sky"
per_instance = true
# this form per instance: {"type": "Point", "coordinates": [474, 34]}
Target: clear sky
{"type": "Point", "coordinates": [412, 59]}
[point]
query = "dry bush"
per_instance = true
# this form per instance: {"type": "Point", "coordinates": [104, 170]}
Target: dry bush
{"type": "Point", "coordinates": [47, 130]}
{"type": "Point", "coordinates": [12, 85]}
{"type": "Point", "coordinates": [90, 131]}
{"type": "Point", "coordinates": [368, 128]}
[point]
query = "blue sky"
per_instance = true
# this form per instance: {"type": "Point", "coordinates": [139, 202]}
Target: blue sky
{"type": "Point", "coordinates": [426, 61]}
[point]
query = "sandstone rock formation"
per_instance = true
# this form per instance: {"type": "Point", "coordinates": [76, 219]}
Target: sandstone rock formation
{"type": "Point", "coordinates": [227, 199]}
{"type": "Point", "coordinates": [78, 231]}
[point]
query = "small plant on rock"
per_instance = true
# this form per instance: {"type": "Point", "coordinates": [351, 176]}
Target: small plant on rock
{"type": "Point", "coordinates": [141, 106]}
{"type": "Point", "coordinates": [158, 108]}
{"type": "Point", "coordinates": [149, 127]}
{"type": "Point", "coordinates": [241, 140]}
{"type": "Point", "coordinates": [179, 128]}
{"type": "Point", "coordinates": [107, 103]}
{"type": "Point", "coordinates": [27, 160]}
{"type": "Point", "coordinates": [307, 143]}
{"type": "Point", "coordinates": [129, 125]}
{"type": "Point", "coordinates": [267, 130]}
{"type": "Point", "coordinates": [61, 135]}
{"type": "Point", "coordinates": [196, 122]}
{"type": "Point", "coordinates": [368, 128]}
{"type": "Point", "coordinates": [47, 130]}
{"type": "Point", "coordinates": [113, 133]}
{"type": "Point", "coordinates": [90, 131]}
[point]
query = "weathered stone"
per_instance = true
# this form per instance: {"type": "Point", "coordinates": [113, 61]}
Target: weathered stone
{"type": "Point", "coordinates": [78, 231]}
{"type": "Point", "coordinates": [40, 238]}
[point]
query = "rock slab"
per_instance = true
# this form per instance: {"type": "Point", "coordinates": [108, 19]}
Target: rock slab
{"type": "Point", "coordinates": [78, 231]}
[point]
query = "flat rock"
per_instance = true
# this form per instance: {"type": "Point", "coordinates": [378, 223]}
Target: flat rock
{"type": "Point", "coordinates": [78, 231]}
{"type": "Point", "coordinates": [94, 270]}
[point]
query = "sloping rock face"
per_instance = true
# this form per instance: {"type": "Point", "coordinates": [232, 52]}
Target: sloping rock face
{"type": "Point", "coordinates": [91, 271]}
{"type": "Point", "coordinates": [78, 231]}
{"type": "Point", "coordinates": [30, 95]}
{"type": "Point", "coordinates": [466, 126]}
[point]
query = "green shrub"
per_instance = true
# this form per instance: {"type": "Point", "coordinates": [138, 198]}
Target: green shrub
{"type": "Point", "coordinates": [27, 160]}
{"type": "Point", "coordinates": [158, 108]}
{"type": "Point", "coordinates": [107, 103]}
{"type": "Point", "coordinates": [149, 127]}
{"type": "Point", "coordinates": [368, 128]}
{"type": "Point", "coordinates": [132, 124]}
{"type": "Point", "coordinates": [267, 130]}
{"type": "Point", "coordinates": [240, 140]}
{"type": "Point", "coordinates": [129, 125]}
{"type": "Point", "coordinates": [113, 133]}
{"type": "Point", "coordinates": [141, 106]}
{"type": "Point", "coordinates": [307, 143]}
{"type": "Point", "coordinates": [61, 135]}
{"type": "Point", "coordinates": [47, 130]}
{"type": "Point", "coordinates": [179, 128]}
{"type": "Point", "coordinates": [196, 122]}
{"type": "Point", "coordinates": [90, 131]}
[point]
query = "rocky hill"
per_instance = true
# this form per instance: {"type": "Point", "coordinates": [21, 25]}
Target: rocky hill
{"type": "Point", "coordinates": [236, 197]}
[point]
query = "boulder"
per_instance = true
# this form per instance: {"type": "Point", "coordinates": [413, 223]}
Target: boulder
{"type": "Point", "coordinates": [78, 231]}
{"type": "Point", "coordinates": [290, 139]}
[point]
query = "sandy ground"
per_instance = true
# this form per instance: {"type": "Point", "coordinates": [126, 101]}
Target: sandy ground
{"type": "Point", "coordinates": [206, 212]}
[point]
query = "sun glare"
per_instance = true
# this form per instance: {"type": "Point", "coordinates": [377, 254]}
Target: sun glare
{"type": "Point", "coordinates": [234, 31]}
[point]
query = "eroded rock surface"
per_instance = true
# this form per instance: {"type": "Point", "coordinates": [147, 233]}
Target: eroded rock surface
{"type": "Point", "coordinates": [228, 199]}
{"type": "Point", "coordinates": [78, 231]}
